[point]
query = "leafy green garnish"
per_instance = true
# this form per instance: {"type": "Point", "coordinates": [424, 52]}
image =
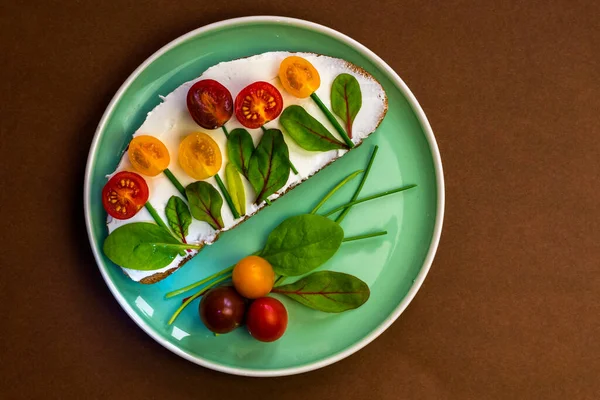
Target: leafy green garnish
{"type": "Point", "coordinates": [269, 166]}
{"type": "Point", "coordinates": [302, 243]}
{"type": "Point", "coordinates": [327, 291]}
{"type": "Point", "coordinates": [143, 246]}
{"type": "Point", "coordinates": [307, 132]}
{"type": "Point", "coordinates": [205, 203]}
{"type": "Point", "coordinates": [178, 216]}
{"type": "Point", "coordinates": [346, 99]}
{"type": "Point", "coordinates": [236, 188]}
{"type": "Point", "coordinates": [239, 149]}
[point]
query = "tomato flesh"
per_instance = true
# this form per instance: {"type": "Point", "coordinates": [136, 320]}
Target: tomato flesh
{"type": "Point", "coordinates": [299, 77]}
{"type": "Point", "coordinates": [124, 195]}
{"type": "Point", "coordinates": [258, 104]}
{"type": "Point", "coordinates": [200, 156]}
{"type": "Point", "coordinates": [148, 155]}
{"type": "Point", "coordinates": [266, 319]}
{"type": "Point", "coordinates": [210, 104]}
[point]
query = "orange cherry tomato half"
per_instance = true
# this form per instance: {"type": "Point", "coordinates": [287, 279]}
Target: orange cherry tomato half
{"type": "Point", "coordinates": [258, 104]}
{"type": "Point", "coordinates": [298, 77]}
{"type": "Point", "coordinates": [124, 195]}
{"type": "Point", "coordinates": [148, 155]}
{"type": "Point", "coordinates": [210, 104]}
{"type": "Point", "coordinates": [253, 277]}
{"type": "Point", "coordinates": [200, 156]}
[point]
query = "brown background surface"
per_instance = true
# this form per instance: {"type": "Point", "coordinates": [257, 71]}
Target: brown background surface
{"type": "Point", "coordinates": [510, 308]}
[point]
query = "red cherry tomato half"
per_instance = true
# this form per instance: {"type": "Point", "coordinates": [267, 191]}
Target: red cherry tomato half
{"type": "Point", "coordinates": [266, 319]}
{"type": "Point", "coordinates": [210, 104]}
{"type": "Point", "coordinates": [258, 104]}
{"type": "Point", "coordinates": [124, 194]}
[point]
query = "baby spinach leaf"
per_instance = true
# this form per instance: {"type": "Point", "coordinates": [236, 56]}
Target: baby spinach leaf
{"type": "Point", "coordinates": [327, 291]}
{"type": "Point", "coordinates": [302, 243]}
{"type": "Point", "coordinates": [307, 132]}
{"type": "Point", "coordinates": [205, 203]}
{"type": "Point", "coordinates": [236, 188]}
{"type": "Point", "coordinates": [143, 246]}
{"type": "Point", "coordinates": [346, 99]}
{"type": "Point", "coordinates": [178, 216]}
{"type": "Point", "coordinates": [239, 149]}
{"type": "Point", "coordinates": [269, 167]}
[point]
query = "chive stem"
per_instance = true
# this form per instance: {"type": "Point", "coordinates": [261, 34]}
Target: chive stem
{"type": "Point", "coordinates": [234, 211]}
{"type": "Point", "coordinates": [199, 283]}
{"type": "Point", "coordinates": [375, 196]}
{"type": "Point", "coordinates": [156, 217]}
{"type": "Point", "coordinates": [332, 119]}
{"type": "Point", "coordinates": [365, 236]}
{"type": "Point", "coordinates": [335, 189]}
{"type": "Point", "coordinates": [343, 214]}
{"type": "Point", "coordinates": [225, 131]}
{"type": "Point", "coordinates": [279, 281]}
{"type": "Point", "coordinates": [175, 182]}
{"type": "Point", "coordinates": [194, 297]}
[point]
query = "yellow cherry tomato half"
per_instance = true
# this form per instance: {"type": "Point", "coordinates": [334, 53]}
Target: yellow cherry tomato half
{"type": "Point", "coordinates": [148, 155]}
{"type": "Point", "coordinates": [253, 277]}
{"type": "Point", "coordinates": [200, 156]}
{"type": "Point", "coordinates": [299, 77]}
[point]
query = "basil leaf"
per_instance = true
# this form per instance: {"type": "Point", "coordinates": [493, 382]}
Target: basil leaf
{"type": "Point", "coordinates": [239, 149]}
{"type": "Point", "coordinates": [302, 243]}
{"type": "Point", "coordinates": [346, 99]}
{"type": "Point", "coordinates": [236, 188]}
{"type": "Point", "coordinates": [178, 216]}
{"type": "Point", "coordinates": [327, 291]}
{"type": "Point", "coordinates": [143, 246]}
{"type": "Point", "coordinates": [269, 167]}
{"type": "Point", "coordinates": [307, 132]}
{"type": "Point", "coordinates": [205, 203]}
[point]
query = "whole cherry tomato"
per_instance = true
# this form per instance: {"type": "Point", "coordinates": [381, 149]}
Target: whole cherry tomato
{"type": "Point", "coordinates": [124, 195]}
{"type": "Point", "coordinates": [148, 155]}
{"type": "Point", "coordinates": [210, 104]}
{"type": "Point", "coordinates": [253, 277]}
{"type": "Point", "coordinates": [298, 76]}
{"type": "Point", "coordinates": [222, 309]}
{"type": "Point", "coordinates": [199, 156]}
{"type": "Point", "coordinates": [258, 104]}
{"type": "Point", "coordinates": [266, 319]}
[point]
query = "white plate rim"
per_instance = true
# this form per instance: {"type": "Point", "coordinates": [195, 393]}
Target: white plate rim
{"type": "Point", "coordinates": [393, 76]}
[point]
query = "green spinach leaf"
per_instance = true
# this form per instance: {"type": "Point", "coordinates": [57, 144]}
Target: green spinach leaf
{"type": "Point", "coordinates": [269, 167]}
{"type": "Point", "coordinates": [327, 291]}
{"type": "Point", "coordinates": [307, 132]}
{"type": "Point", "coordinates": [346, 99]}
{"type": "Point", "coordinates": [143, 246]}
{"type": "Point", "coordinates": [236, 188]}
{"type": "Point", "coordinates": [239, 149]}
{"type": "Point", "coordinates": [302, 243]}
{"type": "Point", "coordinates": [178, 216]}
{"type": "Point", "coordinates": [205, 203]}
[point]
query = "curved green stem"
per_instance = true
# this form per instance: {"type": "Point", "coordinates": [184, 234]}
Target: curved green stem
{"type": "Point", "coordinates": [332, 119]}
{"type": "Point", "coordinates": [199, 283]}
{"type": "Point", "coordinates": [375, 196]}
{"type": "Point", "coordinates": [225, 131]}
{"type": "Point", "coordinates": [335, 189]}
{"type": "Point", "coordinates": [227, 196]}
{"type": "Point", "coordinates": [194, 297]}
{"type": "Point", "coordinates": [343, 214]}
{"type": "Point", "coordinates": [365, 236]}
{"type": "Point", "coordinates": [175, 182]}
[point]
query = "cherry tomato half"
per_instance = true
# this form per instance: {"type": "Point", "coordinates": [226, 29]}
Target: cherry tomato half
{"type": "Point", "coordinates": [258, 104]}
{"type": "Point", "coordinates": [222, 309]}
{"type": "Point", "coordinates": [253, 277]}
{"type": "Point", "coordinates": [124, 194]}
{"type": "Point", "coordinates": [199, 156]}
{"type": "Point", "coordinates": [298, 76]}
{"type": "Point", "coordinates": [266, 319]}
{"type": "Point", "coordinates": [148, 155]}
{"type": "Point", "coordinates": [210, 104]}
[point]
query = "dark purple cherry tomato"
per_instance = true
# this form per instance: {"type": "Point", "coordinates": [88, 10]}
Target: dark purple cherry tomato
{"type": "Point", "coordinates": [222, 309]}
{"type": "Point", "coordinates": [267, 319]}
{"type": "Point", "coordinates": [210, 104]}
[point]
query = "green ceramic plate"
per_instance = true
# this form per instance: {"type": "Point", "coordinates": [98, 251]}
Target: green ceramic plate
{"type": "Point", "coordinates": [394, 266]}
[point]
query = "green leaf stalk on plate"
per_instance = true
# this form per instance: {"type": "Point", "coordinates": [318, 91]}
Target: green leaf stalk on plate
{"type": "Point", "coordinates": [368, 198]}
{"type": "Point", "coordinates": [307, 132]}
{"type": "Point", "coordinates": [343, 214]}
{"type": "Point", "coordinates": [269, 167]}
{"type": "Point", "coordinates": [178, 216]}
{"type": "Point", "coordinates": [335, 189]}
{"type": "Point", "coordinates": [346, 99]}
{"type": "Point", "coordinates": [327, 291]}
{"type": "Point", "coordinates": [205, 203]}
{"type": "Point", "coordinates": [236, 188]}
